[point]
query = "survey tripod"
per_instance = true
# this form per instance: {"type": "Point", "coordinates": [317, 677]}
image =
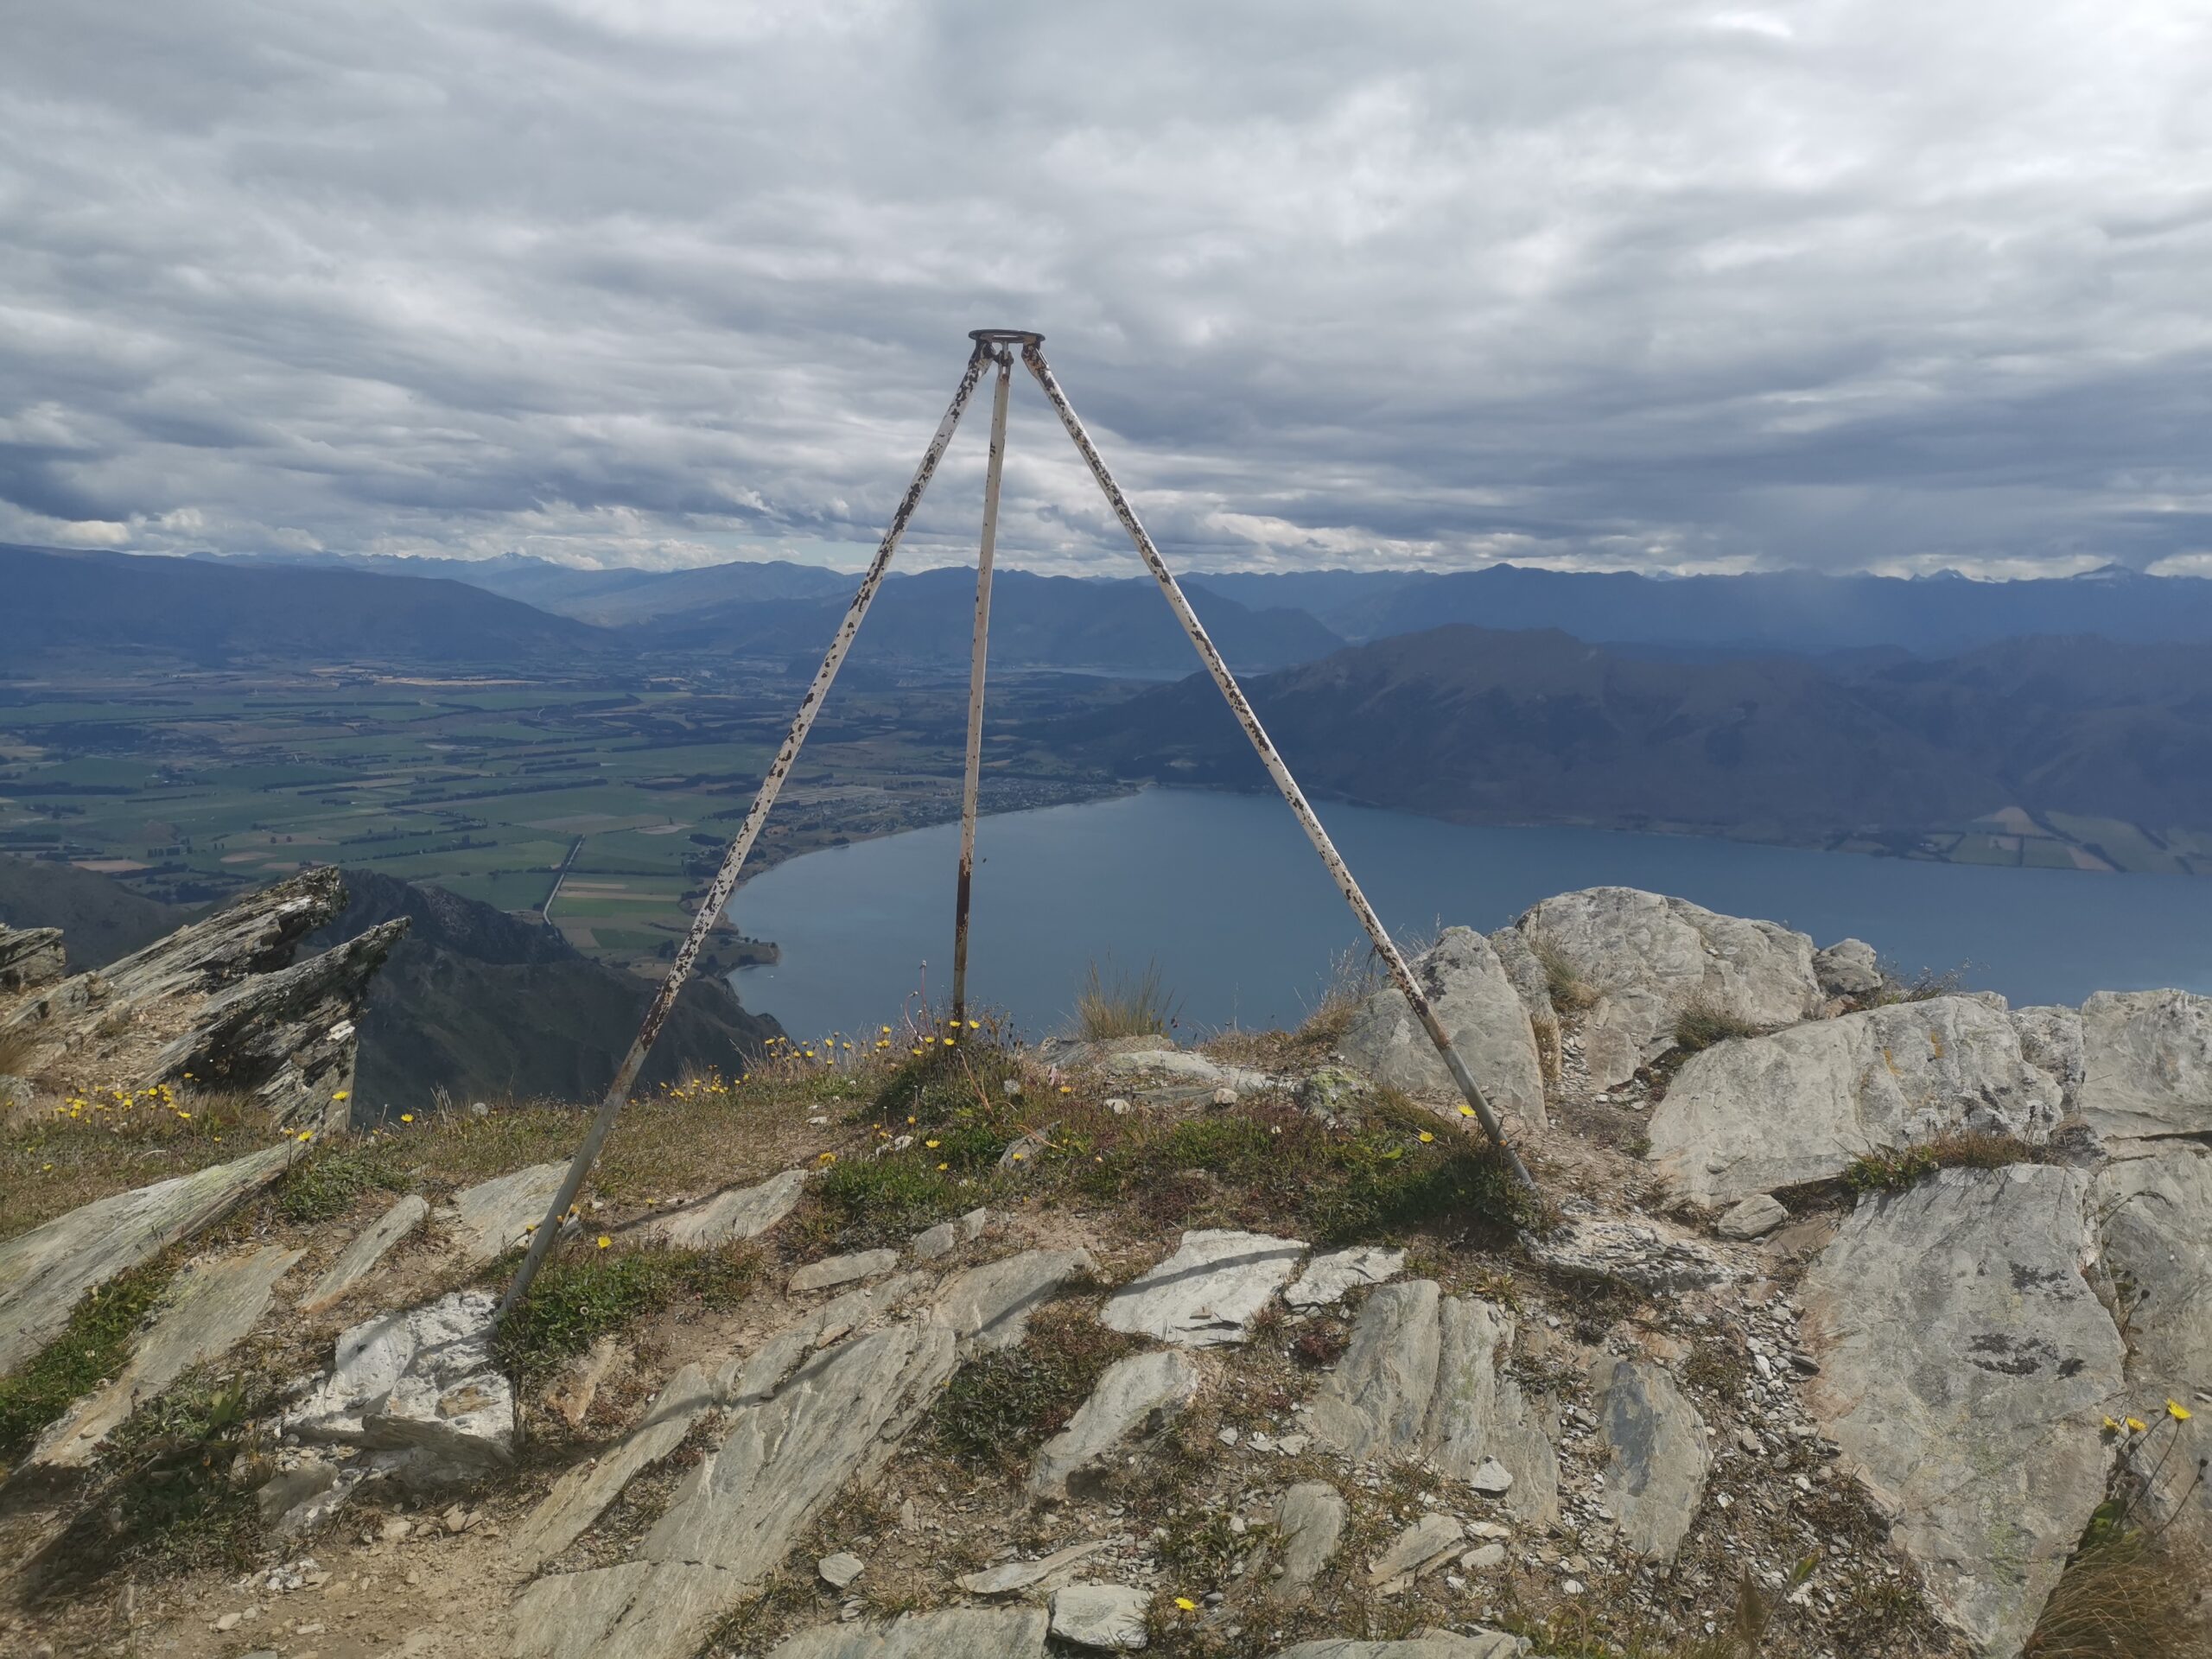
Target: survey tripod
{"type": "Point", "coordinates": [994, 348]}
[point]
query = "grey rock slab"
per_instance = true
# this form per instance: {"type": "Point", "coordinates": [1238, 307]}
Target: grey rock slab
{"type": "Point", "coordinates": [1329, 1279]}
{"type": "Point", "coordinates": [750, 1377]}
{"type": "Point", "coordinates": [833, 1271]}
{"type": "Point", "coordinates": [1647, 959]}
{"type": "Point", "coordinates": [222, 990]}
{"type": "Point", "coordinates": [740, 1212]}
{"type": "Point", "coordinates": [833, 1422]}
{"type": "Point", "coordinates": [206, 1309]}
{"type": "Point", "coordinates": [493, 1217]}
{"type": "Point", "coordinates": [1980, 1433]}
{"type": "Point", "coordinates": [1009, 1577]}
{"type": "Point", "coordinates": [2154, 1219]}
{"type": "Point", "coordinates": [1134, 1399]}
{"type": "Point", "coordinates": [423, 1378]}
{"type": "Point", "coordinates": [1755, 1217]}
{"type": "Point", "coordinates": [1423, 1378]}
{"type": "Point", "coordinates": [1480, 1011]}
{"type": "Point", "coordinates": [1530, 981]}
{"type": "Point", "coordinates": [1480, 1424]}
{"type": "Point", "coordinates": [841, 1569]}
{"type": "Point", "coordinates": [1430, 1541]}
{"type": "Point", "coordinates": [638, 1610]}
{"type": "Point", "coordinates": [1209, 1292]}
{"type": "Point", "coordinates": [778, 1462]}
{"type": "Point", "coordinates": [1646, 1255]}
{"type": "Point", "coordinates": [45, 1272]}
{"type": "Point", "coordinates": [369, 1246]}
{"type": "Point", "coordinates": [2147, 1065]}
{"type": "Point", "coordinates": [584, 1493]}
{"type": "Point", "coordinates": [1801, 1105]}
{"type": "Point", "coordinates": [934, 1241]}
{"type": "Point", "coordinates": [1437, 1644]}
{"type": "Point", "coordinates": [2050, 1040]}
{"type": "Point", "coordinates": [1848, 968]}
{"type": "Point", "coordinates": [954, 1633]}
{"type": "Point", "coordinates": [30, 957]}
{"type": "Point", "coordinates": [1658, 1451]}
{"type": "Point", "coordinates": [1107, 1616]}
{"type": "Point", "coordinates": [1310, 1519]}
{"type": "Point", "coordinates": [988, 1307]}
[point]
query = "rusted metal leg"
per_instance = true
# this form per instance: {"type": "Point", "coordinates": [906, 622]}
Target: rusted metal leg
{"type": "Point", "coordinates": [972, 783]}
{"type": "Point", "coordinates": [725, 881]}
{"type": "Point", "coordinates": [1400, 973]}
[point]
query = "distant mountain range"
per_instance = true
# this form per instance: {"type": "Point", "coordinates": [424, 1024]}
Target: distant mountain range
{"type": "Point", "coordinates": [1795, 612]}
{"type": "Point", "coordinates": [57, 603]}
{"type": "Point", "coordinates": [1036, 621]}
{"type": "Point", "coordinates": [1536, 726]}
{"type": "Point", "coordinates": [231, 610]}
{"type": "Point", "coordinates": [1798, 613]}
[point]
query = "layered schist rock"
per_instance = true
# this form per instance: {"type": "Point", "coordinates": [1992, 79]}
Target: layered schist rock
{"type": "Point", "coordinates": [223, 1000]}
{"type": "Point", "coordinates": [1759, 1113]}
{"type": "Point", "coordinates": [1965, 1367]}
{"type": "Point", "coordinates": [1480, 1010]}
{"type": "Point", "coordinates": [1645, 960]}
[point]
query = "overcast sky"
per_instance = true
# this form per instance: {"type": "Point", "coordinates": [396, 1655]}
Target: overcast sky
{"type": "Point", "coordinates": [1892, 284]}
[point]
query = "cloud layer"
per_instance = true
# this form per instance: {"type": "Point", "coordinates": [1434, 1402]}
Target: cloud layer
{"type": "Point", "coordinates": [1638, 283]}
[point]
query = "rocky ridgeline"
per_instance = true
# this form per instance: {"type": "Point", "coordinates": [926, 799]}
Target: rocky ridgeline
{"type": "Point", "coordinates": [1719, 1359]}
{"type": "Point", "coordinates": [221, 1002]}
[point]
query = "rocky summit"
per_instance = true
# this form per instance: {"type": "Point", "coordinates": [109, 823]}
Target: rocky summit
{"type": "Point", "coordinates": [1849, 1318]}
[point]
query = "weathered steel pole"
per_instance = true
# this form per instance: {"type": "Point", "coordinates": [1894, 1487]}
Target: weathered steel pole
{"type": "Point", "coordinates": [1033, 354]}
{"type": "Point", "coordinates": [971, 785]}
{"type": "Point", "coordinates": [725, 881]}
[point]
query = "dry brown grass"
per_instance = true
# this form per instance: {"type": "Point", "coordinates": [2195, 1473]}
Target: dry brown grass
{"type": "Point", "coordinates": [1570, 993]}
{"type": "Point", "coordinates": [1893, 1169]}
{"type": "Point", "coordinates": [1117, 1003]}
{"type": "Point", "coordinates": [2138, 1594]}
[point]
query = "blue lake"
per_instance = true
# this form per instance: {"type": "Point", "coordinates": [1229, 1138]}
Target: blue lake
{"type": "Point", "coordinates": [1225, 892]}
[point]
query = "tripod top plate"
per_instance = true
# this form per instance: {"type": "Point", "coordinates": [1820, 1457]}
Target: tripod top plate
{"type": "Point", "coordinates": [1005, 337]}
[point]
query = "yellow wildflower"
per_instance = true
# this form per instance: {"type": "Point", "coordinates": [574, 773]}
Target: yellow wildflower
{"type": "Point", "coordinates": [827, 1158]}
{"type": "Point", "coordinates": [1466, 1111]}
{"type": "Point", "coordinates": [2136, 1426]}
{"type": "Point", "coordinates": [1425, 1137]}
{"type": "Point", "coordinates": [604, 1240]}
{"type": "Point", "coordinates": [932, 1145]}
{"type": "Point", "coordinates": [306, 1135]}
{"type": "Point", "coordinates": [1186, 1604]}
{"type": "Point", "coordinates": [2178, 1411]}
{"type": "Point", "coordinates": [2112, 1425]}
{"type": "Point", "coordinates": [343, 1093]}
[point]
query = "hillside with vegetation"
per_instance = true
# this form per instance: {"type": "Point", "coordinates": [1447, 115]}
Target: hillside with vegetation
{"type": "Point", "coordinates": [1847, 1317]}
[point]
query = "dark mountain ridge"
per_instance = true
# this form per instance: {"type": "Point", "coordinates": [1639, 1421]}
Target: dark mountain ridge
{"type": "Point", "coordinates": [66, 603]}
{"type": "Point", "coordinates": [484, 1004]}
{"type": "Point", "coordinates": [1537, 727]}
{"type": "Point", "coordinates": [1036, 621]}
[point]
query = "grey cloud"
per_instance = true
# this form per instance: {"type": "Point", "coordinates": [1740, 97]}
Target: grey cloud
{"type": "Point", "coordinates": [1628, 284]}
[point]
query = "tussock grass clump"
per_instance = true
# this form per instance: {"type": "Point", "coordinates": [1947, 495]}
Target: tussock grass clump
{"type": "Point", "coordinates": [2132, 1594]}
{"type": "Point", "coordinates": [176, 1486]}
{"type": "Point", "coordinates": [1570, 993]}
{"type": "Point", "coordinates": [1261, 1164]}
{"type": "Point", "coordinates": [1117, 1003]}
{"type": "Point", "coordinates": [999, 1409]}
{"type": "Point", "coordinates": [93, 1345]}
{"type": "Point", "coordinates": [1894, 1169]}
{"type": "Point", "coordinates": [580, 1296]}
{"type": "Point", "coordinates": [1702, 1024]}
{"type": "Point", "coordinates": [324, 1184]}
